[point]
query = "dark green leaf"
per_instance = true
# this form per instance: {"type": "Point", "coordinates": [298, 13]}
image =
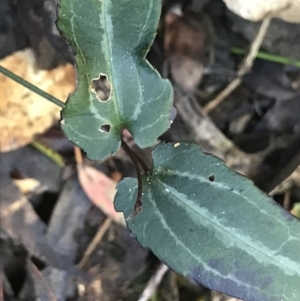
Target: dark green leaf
{"type": "Point", "coordinates": [213, 225]}
{"type": "Point", "coordinates": [111, 39]}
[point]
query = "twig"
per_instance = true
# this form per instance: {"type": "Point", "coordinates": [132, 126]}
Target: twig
{"type": "Point", "coordinates": [281, 177]}
{"type": "Point", "coordinates": [287, 200]}
{"type": "Point", "coordinates": [244, 68]}
{"type": "Point", "coordinates": [31, 87]}
{"type": "Point", "coordinates": [154, 282]}
{"type": "Point", "coordinates": [211, 140]}
{"type": "Point", "coordinates": [96, 240]}
{"type": "Point", "coordinates": [204, 131]}
{"type": "Point", "coordinates": [222, 95]}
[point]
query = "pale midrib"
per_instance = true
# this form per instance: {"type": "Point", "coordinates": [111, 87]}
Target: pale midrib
{"type": "Point", "coordinates": [147, 20]}
{"type": "Point", "coordinates": [99, 137]}
{"type": "Point", "coordinates": [213, 271]}
{"type": "Point", "coordinates": [161, 117]}
{"type": "Point", "coordinates": [110, 59]}
{"type": "Point", "coordinates": [222, 229]}
{"type": "Point", "coordinates": [75, 38]}
{"type": "Point", "coordinates": [137, 109]}
{"type": "Point", "coordinates": [141, 100]}
{"type": "Point", "coordinates": [80, 51]}
{"type": "Point", "coordinates": [195, 177]}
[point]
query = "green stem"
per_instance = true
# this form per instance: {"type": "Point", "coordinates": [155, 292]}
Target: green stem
{"type": "Point", "coordinates": [269, 57]}
{"type": "Point", "coordinates": [48, 152]}
{"type": "Point", "coordinates": [31, 87]}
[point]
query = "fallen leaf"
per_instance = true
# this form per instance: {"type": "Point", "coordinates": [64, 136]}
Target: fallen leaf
{"type": "Point", "coordinates": [101, 190]}
{"type": "Point", "coordinates": [43, 291]}
{"type": "Point", "coordinates": [20, 221]}
{"type": "Point", "coordinates": [27, 162]}
{"type": "Point", "coordinates": [185, 46]}
{"type": "Point", "coordinates": [67, 222]}
{"type": "Point", "coordinates": [23, 114]}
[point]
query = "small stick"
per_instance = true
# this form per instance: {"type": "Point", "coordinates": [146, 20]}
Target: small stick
{"type": "Point", "coordinates": [222, 95]}
{"type": "Point", "coordinates": [287, 200]}
{"type": "Point", "coordinates": [96, 240]}
{"type": "Point", "coordinates": [154, 282]}
{"type": "Point", "coordinates": [245, 67]}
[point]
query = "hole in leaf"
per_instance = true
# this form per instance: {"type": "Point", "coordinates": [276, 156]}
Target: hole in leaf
{"type": "Point", "coordinates": [211, 178]}
{"type": "Point", "coordinates": [101, 87]}
{"type": "Point", "coordinates": [105, 128]}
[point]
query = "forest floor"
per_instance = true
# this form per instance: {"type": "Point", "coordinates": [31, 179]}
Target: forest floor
{"type": "Point", "coordinates": [60, 237]}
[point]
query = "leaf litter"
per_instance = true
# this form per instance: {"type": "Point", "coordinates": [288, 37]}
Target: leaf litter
{"type": "Point", "coordinates": [118, 268]}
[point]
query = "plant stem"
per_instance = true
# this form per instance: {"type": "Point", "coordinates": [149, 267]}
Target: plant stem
{"type": "Point", "coordinates": [31, 87]}
{"type": "Point", "coordinates": [141, 162]}
{"type": "Point", "coordinates": [132, 156]}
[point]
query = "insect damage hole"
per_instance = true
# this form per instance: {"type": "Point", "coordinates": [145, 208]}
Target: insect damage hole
{"type": "Point", "coordinates": [212, 178]}
{"type": "Point", "coordinates": [101, 86]}
{"type": "Point", "coordinates": [105, 128]}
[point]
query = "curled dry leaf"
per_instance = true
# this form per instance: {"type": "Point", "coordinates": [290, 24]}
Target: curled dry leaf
{"type": "Point", "coordinates": [101, 190]}
{"type": "Point", "coordinates": [23, 114]}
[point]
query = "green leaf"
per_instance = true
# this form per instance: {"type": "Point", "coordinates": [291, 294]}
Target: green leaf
{"type": "Point", "coordinates": [111, 38]}
{"type": "Point", "coordinates": [211, 224]}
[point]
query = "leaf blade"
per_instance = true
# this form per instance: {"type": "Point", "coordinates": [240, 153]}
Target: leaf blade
{"type": "Point", "coordinates": [232, 238]}
{"type": "Point", "coordinates": [109, 42]}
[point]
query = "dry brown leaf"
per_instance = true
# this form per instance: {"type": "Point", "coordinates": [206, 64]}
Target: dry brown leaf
{"type": "Point", "coordinates": [23, 114]}
{"type": "Point", "coordinates": [184, 44]}
{"type": "Point", "coordinates": [21, 222]}
{"type": "Point", "coordinates": [256, 10]}
{"type": "Point", "coordinates": [101, 190]}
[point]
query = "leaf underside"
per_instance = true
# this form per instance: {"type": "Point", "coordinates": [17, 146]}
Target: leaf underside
{"type": "Point", "coordinates": [111, 38]}
{"type": "Point", "coordinates": [213, 225]}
